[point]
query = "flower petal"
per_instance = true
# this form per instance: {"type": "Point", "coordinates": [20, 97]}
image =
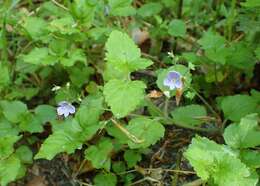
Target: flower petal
{"type": "Point", "coordinates": [71, 109]}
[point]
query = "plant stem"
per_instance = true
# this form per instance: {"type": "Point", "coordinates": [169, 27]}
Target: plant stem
{"type": "Point", "coordinates": [166, 105]}
{"type": "Point", "coordinates": [230, 20]}
{"type": "Point", "coordinates": [179, 14]}
{"type": "Point", "coordinates": [179, 11]}
{"type": "Point", "coordinates": [4, 42]}
{"type": "Point", "coordinates": [161, 115]}
{"type": "Point", "coordinates": [205, 102]}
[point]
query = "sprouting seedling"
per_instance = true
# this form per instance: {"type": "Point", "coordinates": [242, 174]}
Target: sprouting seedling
{"type": "Point", "coordinates": [65, 108]}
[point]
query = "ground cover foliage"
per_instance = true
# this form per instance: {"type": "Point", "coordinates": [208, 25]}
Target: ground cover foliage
{"type": "Point", "coordinates": [104, 83]}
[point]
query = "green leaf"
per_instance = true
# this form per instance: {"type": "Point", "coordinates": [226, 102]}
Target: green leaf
{"type": "Point", "coordinates": [119, 167]}
{"type": "Point", "coordinates": [65, 138]}
{"type": "Point", "coordinates": [177, 28]}
{"type": "Point", "coordinates": [147, 130]}
{"type": "Point", "coordinates": [123, 96]}
{"type": "Point", "coordinates": [257, 53]}
{"type": "Point", "coordinates": [4, 76]}
{"type": "Point", "coordinates": [64, 25]}
{"type": "Point", "coordinates": [99, 154]}
{"type": "Point", "coordinates": [9, 169]}
{"type": "Point", "coordinates": [121, 48]}
{"type": "Point", "coordinates": [39, 56]}
{"type": "Point", "coordinates": [25, 154]}
{"type": "Point", "coordinates": [256, 95]}
{"type": "Point", "coordinates": [237, 106]}
{"type": "Point", "coordinates": [123, 56]}
{"type": "Point", "coordinates": [105, 179]}
{"type": "Point", "coordinates": [251, 3]}
{"type": "Point", "coordinates": [190, 115]}
{"type": "Point", "coordinates": [219, 164]}
{"type": "Point", "coordinates": [251, 158]}
{"type": "Point", "coordinates": [36, 27]}
{"type": "Point", "coordinates": [80, 75]}
{"type": "Point", "coordinates": [90, 110]}
{"type": "Point", "coordinates": [84, 11]}
{"type": "Point", "coordinates": [6, 145]}
{"type": "Point", "coordinates": [30, 123]}
{"type": "Point", "coordinates": [58, 47]}
{"type": "Point", "coordinates": [114, 131]}
{"type": "Point", "coordinates": [13, 110]}
{"type": "Point", "coordinates": [6, 128]}
{"type": "Point", "coordinates": [45, 113]}
{"type": "Point", "coordinates": [149, 9]}
{"type": "Point", "coordinates": [74, 56]}
{"type": "Point", "coordinates": [211, 40]}
{"type": "Point", "coordinates": [214, 46]}
{"type": "Point", "coordinates": [132, 157]}
{"type": "Point", "coordinates": [241, 56]}
{"type": "Point", "coordinates": [121, 7]}
{"type": "Point", "coordinates": [245, 134]}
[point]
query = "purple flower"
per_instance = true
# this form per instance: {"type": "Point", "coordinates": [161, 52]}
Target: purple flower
{"type": "Point", "coordinates": [65, 108]}
{"type": "Point", "coordinates": [173, 80]}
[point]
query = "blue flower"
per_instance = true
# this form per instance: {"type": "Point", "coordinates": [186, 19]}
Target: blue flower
{"type": "Point", "coordinates": [173, 80]}
{"type": "Point", "coordinates": [65, 108]}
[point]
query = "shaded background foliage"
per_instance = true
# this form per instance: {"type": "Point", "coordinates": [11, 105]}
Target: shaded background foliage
{"type": "Point", "coordinates": [110, 58]}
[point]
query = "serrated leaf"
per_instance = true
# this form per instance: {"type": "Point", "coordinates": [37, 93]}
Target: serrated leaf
{"type": "Point", "coordinates": [119, 167]}
{"type": "Point", "coordinates": [237, 106]}
{"type": "Point", "coordinates": [214, 46]}
{"type": "Point", "coordinates": [177, 28]}
{"type": "Point", "coordinates": [219, 164]}
{"type": "Point", "coordinates": [30, 123]}
{"type": "Point", "coordinates": [14, 110]}
{"type": "Point", "coordinates": [114, 131]}
{"type": "Point", "coordinates": [80, 75]}
{"type": "Point", "coordinates": [190, 115]}
{"type": "Point", "coordinates": [241, 56]}
{"type": "Point", "coordinates": [146, 130]}
{"type": "Point", "coordinates": [88, 115]}
{"type": "Point", "coordinates": [132, 157]}
{"type": "Point", "coordinates": [105, 179]}
{"type": "Point", "coordinates": [123, 96]}
{"type": "Point", "coordinates": [39, 56]}
{"type": "Point", "coordinates": [25, 154]}
{"type": "Point", "coordinates": [256, 95]}
{"type": "Point", "coordinates": [65, 138]}
{"type": "Point", "coordinates": [84, 11]}
{"type": "Point", "coordinates": [245, 134]}
{"type": "Point", "coordinates": [9, 169]}
{"type": "Point", "coordinates": [64, 25]}
{"type": "Point", "coordinates": [251, 3]}
{"type": "Point", "coordinates": [99, 154]}
{"type": "Point", "coordinates": [45, 113]}
{"type": "Point", "coordinates": [257, 53]}
{"type": "Point", "coordinates": [75, 55]}
{"type": "Point", "coordinates": [36, 27]}
{"type": "Point", "coordinates": [6, 128]}
{"type": "Point", "coordinates": [121, 7]}
{"type": "Point", "coordinates": [149, 9]}
{"type": "Point", "coordinates": [58, 47]}
{"type": "Point", "coordinates": [211, 40]}
{"type": "Point", "coordinates": [6, 145]}
{"type": "Point", "coordinates": [90, 110]}
{"type": "Point", "coordinates": [251, 158]}
{"type": "Point", "coordinates": [123, 55]}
